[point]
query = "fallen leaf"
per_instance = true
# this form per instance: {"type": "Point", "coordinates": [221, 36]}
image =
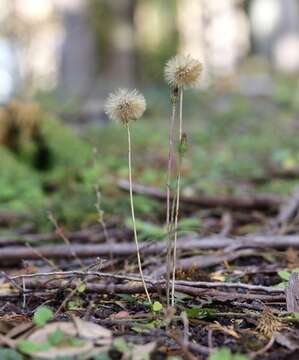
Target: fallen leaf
{"type": "Point", "coordinates": [82, 336]}
{"type": "Point", "coordinates": [91, 331]}
{"type": "Point", "coordinates": [217, 276]}
{"type": "Point", "coordinates": [229, 330]}
{"type": "Point", "coordinates": [120, 315]}
{"type": "Point", "coordinates": [42, 315]}
{"type": "Point", "coordinates": [142, 352]}
{"type": "Point", "coordinates": [289, 339]}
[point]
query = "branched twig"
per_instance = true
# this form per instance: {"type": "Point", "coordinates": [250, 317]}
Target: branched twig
{"type": "Point", "coordinates": [263, 202]}
{"type": "Point", "coordinates": [12, 281]}
{"type": "Point", "coordinates": [79, 273]}
{"type": "Point", "coordinates": [264, 349]}
{"type": "Point", "coordinates": [199, 284]}
{"type": "Point", "coordinates": [154, 286]}
{"type": "Point", "coordinates": [47, 261]}
{"type": "Point", "coordinates": [215, 284]}
{"type": "Point", "coordinates": [125, 249]}
{"type": "Point", "coordinates": [64, 238]}
{"type": "Point", "coordinates": [184, 347]}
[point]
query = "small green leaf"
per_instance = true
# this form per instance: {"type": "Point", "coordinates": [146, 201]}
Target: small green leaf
{"type": "Point", "coordinates": [101, 356]}
{"type": "Point", "coordinates": [73, 305]}
{"type": "Point", "coordinates": [147, 229]}
{"type": "Point", "coordinates": [120, 345]}
{"type": "Point", "coordinates": [139, 329]}
{"type": "Point", "coordinates": [183, 147]}
{"type": "Point", "coordinates": [281, 285]}
{"type": "Point", "coordinates": [75, 342]}
{"type": "Point", "coordinates": [200, 313]}
{"type": "Point", "coordinates": [284, 275]}
{"type": "Point", "coordinates": [189, 224]}
{"type": "Point", "coordinates": [9, 354]}
{"type": "Point", "coordinates": [157, 306]}
{"type": "Point", "coordinates": [193, 312]}
{"type": "Point", "coordinates": [221, 354]}
{"type": "Point", "coordinates": [225, 354]}
{"type": "Point", "coordinates": [81, 287]}
{"type": "Point", "coordinates": [128, 298]}
{"type": "Point", "coordinates": [29, 347]}
{"type": "Point", "coordinates": [180, 297]}
{"type": "Point", "coordinates": [56, 337]}
{"type": "Point", "coordinates": [42, 315]}
{"type": "Point", "coordinates": [144, 328]}
{"type": "Point", "coordinates": [295, 315]}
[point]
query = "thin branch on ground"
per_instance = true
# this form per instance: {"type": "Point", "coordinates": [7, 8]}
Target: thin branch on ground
{"type": "Point", "coordinates": [263, 202]}
{"type": "Point", "coordinates": [200, 284]}
{"type": "Point", "coordinates": [64, 238]}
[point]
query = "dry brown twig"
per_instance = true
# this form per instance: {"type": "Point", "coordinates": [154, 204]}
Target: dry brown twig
{"type": "Point", "coordinates": [154, 286]}
{"type": "Point", "coordinates": [263, 202]}
{"type": "Point", "coordinates": [101, 275]}
{"type": "Point", "coordinates": [64, 238]}
{"type": "Point", "coordinates": [124, 249]}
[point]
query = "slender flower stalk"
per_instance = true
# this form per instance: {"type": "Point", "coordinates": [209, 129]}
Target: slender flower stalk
{"type": "Point", "coordinates": [180, 72]}
{"type": "Point", "coordinates": [177, 204]}
{"type": "Point", "coordinates": [133, 212]}
{"type": "Point", "coordinates": [174, 96]}
{"type": "Point", "coordinates": [123, 106]}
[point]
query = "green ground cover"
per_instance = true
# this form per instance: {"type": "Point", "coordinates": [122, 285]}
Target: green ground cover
{"type": "Point", "coordinates": [231, 138]}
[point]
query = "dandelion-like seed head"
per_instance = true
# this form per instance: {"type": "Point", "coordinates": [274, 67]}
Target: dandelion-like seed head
{"type": "Point", "coordinates": [183, 71]}
{"type": "Point", "coordinates": [124, 105]}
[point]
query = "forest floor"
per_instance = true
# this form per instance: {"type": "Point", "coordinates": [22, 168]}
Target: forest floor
{"type": "Point", "coordinates": [69, 283]}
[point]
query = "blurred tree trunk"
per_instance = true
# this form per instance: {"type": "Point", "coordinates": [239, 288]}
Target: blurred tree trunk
{"type": "Point", "coordinates": [77, 67]}
{"type": "Point", "coordinates": [121, 67]}
{"type": "Point", "coordinates": [214, 31]}
{"type": "Point", "coordinates": [191, 27]}
{"type": "Point", "coordinates": [275, 29]}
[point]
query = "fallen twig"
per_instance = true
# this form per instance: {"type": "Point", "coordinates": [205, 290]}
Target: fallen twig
{"type": "Point", "coordinates": [184, 347]}
{"type": "Point", "coordinates": [264, 349]}
{"type": "Point", "coordinates": [287, 212]}
{"type": "Point", "coordinates": [275, 173]}
{"type": "Point", "coordinates": [112, 288]}
{"type": "Point", "coordinates": [244, 202]}
{"type": "Point", "coordinates": [8, 218]}
{"type": "Point", "coordinates": [190, 288]}
{"type": "Point", "coordinates": [267, 289]}
{"type": "Point", "coordinates": [78, 273]}
{"type": "Point", "coordinates": [204, 261]}
{"type": "Point", "coordinates": [133, 277]}
{"type": "Point", "coordinates": [94, 234]}
{"type": "Point", "coordinates": [124, 249]}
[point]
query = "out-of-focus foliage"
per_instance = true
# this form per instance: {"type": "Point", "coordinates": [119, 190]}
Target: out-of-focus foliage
{"type": "Point", "coordinates": [231, 138]}
{"type": "Point", "coordinates": [154, 44]}
{"type": "Point", "coordinates": [19, 185]}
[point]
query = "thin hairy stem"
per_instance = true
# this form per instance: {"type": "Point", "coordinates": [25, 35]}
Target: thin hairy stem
{"type": "Point", "coordinates": [178, 185]}
{"type": "Point", "coordinates": [133, 213]}
{"type": "Point", "coordinates": [168, 212]}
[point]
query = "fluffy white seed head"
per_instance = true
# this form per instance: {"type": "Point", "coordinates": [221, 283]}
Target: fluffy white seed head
{"type": "Point", "coordinates": [124, 105]}
{"type": "Point", "coordinates": [183, 71]}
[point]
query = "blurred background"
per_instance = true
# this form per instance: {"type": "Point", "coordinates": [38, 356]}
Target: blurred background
{"type": "Point", "coordinates": [60, 58]}
{"type": "Point", "coordinates": [75, 47]}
